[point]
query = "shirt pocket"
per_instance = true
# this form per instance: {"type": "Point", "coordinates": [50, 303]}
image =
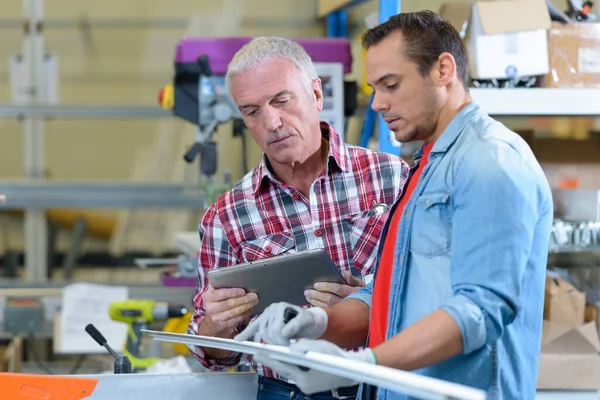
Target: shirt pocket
{"type": "Point", "coordinates": [364, 234]}
{"type": "Point", "coordinates": [268, 246]}
{"type": "Point", "coordinates": [431, 224]}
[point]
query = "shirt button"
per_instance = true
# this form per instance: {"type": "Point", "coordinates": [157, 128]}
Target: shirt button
{"type": "Point", "coordinates": [318, 232]}
{"type": "Point", "coordinates": [295, 196]}
{"type": "Point", "coordinates": [268, 249]}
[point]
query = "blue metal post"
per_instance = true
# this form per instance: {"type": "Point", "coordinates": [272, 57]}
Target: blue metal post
{"type": "Point", "coordinates": [337, 24]}
{"type": "Point", "coordinates": [387, 8]}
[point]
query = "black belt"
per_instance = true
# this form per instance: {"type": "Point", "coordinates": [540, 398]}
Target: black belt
{"type": "Point", "coordinates": [340, 393]}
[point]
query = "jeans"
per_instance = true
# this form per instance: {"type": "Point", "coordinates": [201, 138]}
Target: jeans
{"type": "Point", "coordinates": [273, 389]}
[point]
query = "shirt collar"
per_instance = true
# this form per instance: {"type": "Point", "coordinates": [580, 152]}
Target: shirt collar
{"type": "Point", "coordinates": [338, 157]}
{"type": "Point", "coordinates": [452, 131]}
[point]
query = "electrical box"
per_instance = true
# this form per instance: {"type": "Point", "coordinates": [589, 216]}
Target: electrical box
{"type": "Point", "coordinates": [23, 315]}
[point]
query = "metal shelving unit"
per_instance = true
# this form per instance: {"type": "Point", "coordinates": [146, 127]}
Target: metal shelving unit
{"type": "Point", "coordinates": [35, 194]}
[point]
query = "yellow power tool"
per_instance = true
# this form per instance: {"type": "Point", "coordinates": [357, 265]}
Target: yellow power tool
{"type": "Point", "coordinates": [138, 314]}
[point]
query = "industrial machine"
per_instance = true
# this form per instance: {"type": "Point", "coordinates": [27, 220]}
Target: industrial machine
{"type": "Point", "coordinates": [199, 96]}
{"type": "Point", "coordinates": [138, 315]}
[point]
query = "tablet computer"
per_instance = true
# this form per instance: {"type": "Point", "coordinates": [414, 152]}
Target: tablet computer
{"type": "Point", "coordinates": [279, 278]}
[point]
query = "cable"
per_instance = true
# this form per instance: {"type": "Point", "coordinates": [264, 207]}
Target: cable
{"type": "Point", "coordinates": [78, 364]}
{"type": "Point", "coordinates": [32, 354]}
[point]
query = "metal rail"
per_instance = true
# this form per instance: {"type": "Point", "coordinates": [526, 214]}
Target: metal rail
{"type": "Point", "coordinates": [85, 112]}
{"type": "Point", "coordinates": [36, 194]}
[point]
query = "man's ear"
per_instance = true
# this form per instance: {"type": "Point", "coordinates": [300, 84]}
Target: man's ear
{"type": "Point", "coordinates": [445, 69]}
{"type": "Point", "coordinates": [317, 92]}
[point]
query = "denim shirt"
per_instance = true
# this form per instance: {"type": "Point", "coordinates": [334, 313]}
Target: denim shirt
{"type": "Point", "coordinates": [473, 241]}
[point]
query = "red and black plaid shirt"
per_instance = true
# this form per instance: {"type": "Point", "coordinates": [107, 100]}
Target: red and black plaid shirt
{"type": "Point", "coordinates": [261, 217]}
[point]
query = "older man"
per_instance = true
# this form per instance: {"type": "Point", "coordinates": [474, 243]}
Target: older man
{"type": "Point", "coordinates": [310, 191]}
{"type": "Point", "coordinates": [459, 289]}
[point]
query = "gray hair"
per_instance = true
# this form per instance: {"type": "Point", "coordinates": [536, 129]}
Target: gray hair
{"type": "Point", "coordinates": [266, 48]}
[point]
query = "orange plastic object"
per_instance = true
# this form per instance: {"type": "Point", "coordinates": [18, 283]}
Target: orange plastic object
{"type": "Point", "coordinates": [45, 387]}
{"type": "Point", "coordinates": [166, 97]}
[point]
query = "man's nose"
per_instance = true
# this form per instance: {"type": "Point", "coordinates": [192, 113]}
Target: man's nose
{"type": "Point", "coordinates": [272, 120]}
{"type": "Point", "coordinates": [379, 104]}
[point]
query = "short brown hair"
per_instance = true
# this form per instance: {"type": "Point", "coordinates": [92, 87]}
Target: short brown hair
{"type": "Point", "coordinates": [426, 36]}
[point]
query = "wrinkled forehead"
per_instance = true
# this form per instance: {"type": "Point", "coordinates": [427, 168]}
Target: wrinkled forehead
{"type": "Point", "coordinates": [260, 83]}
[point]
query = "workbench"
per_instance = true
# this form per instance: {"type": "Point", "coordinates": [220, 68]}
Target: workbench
{"type": "Point", "coordinates": [200, 386]}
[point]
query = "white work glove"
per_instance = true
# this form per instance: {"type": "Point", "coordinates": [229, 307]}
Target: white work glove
{"type": "Point", "coordinates": [314, 381]}
{"type": "Point", "coordinates": [273, 328]}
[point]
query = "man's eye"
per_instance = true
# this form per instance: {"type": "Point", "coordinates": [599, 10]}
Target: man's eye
{"type": "Point", "coordinates": [251, 113]}
{"type": "Point", "coordinates": [281, 101]}
{"type": "Point", "coordinates": [392, 87]}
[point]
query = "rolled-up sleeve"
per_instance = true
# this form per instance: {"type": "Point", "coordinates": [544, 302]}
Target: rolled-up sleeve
{"type": "Point", "coordinates": [214, 252]}
{"type": "Point", "coordinates": [364, 294]}
{"type": "Point", "coordinates": [495, 211]}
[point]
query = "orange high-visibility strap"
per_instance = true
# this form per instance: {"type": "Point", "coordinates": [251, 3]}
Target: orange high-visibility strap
{"type": "Point", "coordinates": [45, 387]}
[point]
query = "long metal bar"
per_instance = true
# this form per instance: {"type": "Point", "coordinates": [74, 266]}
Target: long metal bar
{"type": "Point", "coordinates": [419, 386]}
{"type": "Point", "coordinates": [84, 112]}
{"type": "Point", "coordinates": [34, 142]}
{"type": "Point", "coordinates": [38, 195]}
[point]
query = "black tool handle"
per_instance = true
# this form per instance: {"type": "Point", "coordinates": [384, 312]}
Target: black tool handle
{"type": "Point", "coordinates": [191, 154]}
{"type": "Point", "coordinates": [289, 314]}
{"type": "Point", "coordinates": [122, 364]}
{"type": "Point", "coordinates": [95, 334]}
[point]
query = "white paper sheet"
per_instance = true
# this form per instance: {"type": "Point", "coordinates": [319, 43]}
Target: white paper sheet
{"type": "Point", "coordinates": [399, 381]}
{"type": "Point", "coordinates": [88, 303]}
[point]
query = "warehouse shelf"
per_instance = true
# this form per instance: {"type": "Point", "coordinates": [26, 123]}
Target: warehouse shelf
{"type": "Point", "coordinates": [64, 111]}
{"type": "Point", "coordinates": [538, 102]}
{"type": "Point", "coordinates": [18, 194]}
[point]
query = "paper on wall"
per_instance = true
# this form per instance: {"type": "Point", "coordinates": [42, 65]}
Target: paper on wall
{"type": "Point", "coordinates": [88, 303]}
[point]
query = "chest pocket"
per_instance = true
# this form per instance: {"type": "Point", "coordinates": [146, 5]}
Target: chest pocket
{"type": "Point", "coordinates": [432, 224]}
{"type": "Point", "coordinates": [268, 246]}
{"type": "Point", "coordinates": [364, 231]}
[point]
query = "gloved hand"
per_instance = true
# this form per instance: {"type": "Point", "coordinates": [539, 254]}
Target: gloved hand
{"type": "Point", "coordinates": [272, 327]}
{"type": "Point", "coordinates": [314, 381]}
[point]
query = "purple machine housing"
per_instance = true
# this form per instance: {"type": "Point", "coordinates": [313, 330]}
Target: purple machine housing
{"type": "Point", "coordinates": [220, 51]}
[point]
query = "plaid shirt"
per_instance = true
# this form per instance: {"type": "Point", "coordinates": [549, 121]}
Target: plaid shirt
{"type": "Point", "coordinates": [261, 217]}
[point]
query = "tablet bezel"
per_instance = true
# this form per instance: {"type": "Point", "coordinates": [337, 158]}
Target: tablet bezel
{"type": "Point", "coordinates": [279, 278]}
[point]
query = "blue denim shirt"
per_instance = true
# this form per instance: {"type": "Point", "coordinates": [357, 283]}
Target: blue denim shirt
{"type": "Point", "coordinates": [473, 241]}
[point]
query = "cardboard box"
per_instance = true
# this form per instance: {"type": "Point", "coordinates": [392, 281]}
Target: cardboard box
{"type": "Point", "coordinates": [563, 303]}
{"type": "Point", "coordinates": [504, 38]}
{"type": "Point", "coordinates": [574, 54]}
{"type": "Point", "coordinates": [569, 357]}
{"type": "Point", "coordinates": [592, 314]}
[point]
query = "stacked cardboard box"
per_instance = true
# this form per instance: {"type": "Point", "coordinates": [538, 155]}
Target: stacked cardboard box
{"type": "Point", "coordinates": [516, 38]}
{"type": "Point", "coordinates": [574, 55]}
{"type": "Point", "coordinates": [569, 354]}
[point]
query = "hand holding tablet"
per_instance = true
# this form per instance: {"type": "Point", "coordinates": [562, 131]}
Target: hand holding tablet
{"type": "Point", "coordinates": [280, 278]}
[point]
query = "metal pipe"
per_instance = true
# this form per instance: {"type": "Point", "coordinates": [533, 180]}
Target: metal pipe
{"type": "Point", "coordinates": [82, 112]}
{"type": "Point", "coordinates": [156, 23]}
